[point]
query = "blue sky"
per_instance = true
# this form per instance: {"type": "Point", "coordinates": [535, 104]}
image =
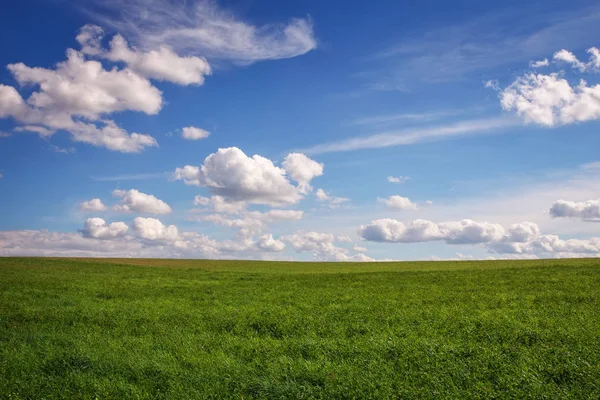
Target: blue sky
{"type": "Point", "coordinates": [269, 130]}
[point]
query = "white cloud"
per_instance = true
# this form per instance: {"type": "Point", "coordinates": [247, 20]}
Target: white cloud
{"type": "Point", "coordinates": [586, 210]}
{"type": "Point", "coordinates": [551, 245]}
{"type": "Point", "coordinates": [236, 177]}
{"type": "Point", "coordinates": [251, 222]}
{"type": "Point", "coordinates": [397, 203]}
{"type": "Point", "coordinates": [134, 200]}
{"type": "Point", "coordinates": [359, 249]}
{"type": "Point", "coordinates": [97, 228]}
{"type": "Point", "coordinates": [161, 64]}
{"type": "Point", "coordinates": [153, 229]}
{"type": "Point", "coordinates": [5, 134]}
{"type": "Point", "coordinates": [79, 88]}
{"type": "Point", "coordinates": [201, 28]}
{"type": "Point", "coordinates": [267, 243]}
{"type": "Point", "coordinates": [302, 170]}
{"type": "Point", "coordinates": [92, 205]}
{"type": "Point", "coordinates": [62, 150]}
{"type": "Point", "coordinates": [332, 201]}
{"type": "Point", "coordinates": [492, 84]}
{"type": "Point", "coordinates": [398, 179]}
{"type": "Point", "coordinates": [84, 88]}
{"type": "Point", "coordinates": [322, 246]}
{"type": "Point", "coordinates": [193, 133]}
{"type": "Point", "coordinates": [460, 232]}
{"type": "Point", "coordinates": [570, 58]}
{"type": "Point", "coordinates": [415, 135]}
{"type": "Point", "coordinates": [539, 63]}
{"type": "Point", "coordinates": [550, 100]}
{"type": "Point", "coordinates": [220, 204]}
{"type": "Point", "coordinates": [40, 130]}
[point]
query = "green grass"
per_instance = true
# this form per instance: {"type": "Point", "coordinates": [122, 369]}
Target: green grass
{"type": "Point", "coordinates": [189, 329]}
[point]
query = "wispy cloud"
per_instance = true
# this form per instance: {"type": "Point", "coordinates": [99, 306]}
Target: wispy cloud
{"type": "Point", "coordinates": [202, 28]}
{"type": "Point", "coordinates": [405, 117]}
{"type": "Point", "coordinates": [130, 177]}
{"type": "Point", "coordinates": [487, 41]}
{"type": "Point", "coordinates": [66, 150]}
{"type": "Point", "coordinates": [415, 135]}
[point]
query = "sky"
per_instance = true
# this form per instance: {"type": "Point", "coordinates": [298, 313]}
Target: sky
{"type": "Point", "coordinates": [300, 130]}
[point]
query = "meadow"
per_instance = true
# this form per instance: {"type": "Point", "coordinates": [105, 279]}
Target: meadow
{"type": "Point", "coordinates": [195, 329]}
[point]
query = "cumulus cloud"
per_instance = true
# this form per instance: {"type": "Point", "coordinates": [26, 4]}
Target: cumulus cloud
{"type": "Point", "coordinates": [92, 205]}
{"type": "Point", "coordinates": [97, 228]}
{"type": "Point", "coordinates": [268, 243]}
{"type": "Point", "coordinates": [233, 175]}
{"type": "Point", "coordinates": [302, 170]}
{"type": "Point", "coordinates": [550, 99]}
{"type": "Point", "coordinates": [322, 246]}
{"type": "Point", "coordinates": [397, 203]}
{"type": "Point", "coordinates": [251, 223]}
{"type": "Point", "coordinates": [459, 232]}
{"type": "Point", "coordinates": [398, 179]}
{"type": "Point", "coordinates": [220, 204]}
{"type": "Point", "coordinates": [567, 57]}
{"type": "Point", "coordinates": [136, 201]}
{"type": "Point", "coordinates": [332, 201]}
{"type": "Point", "coordinates": [202, 29]}
{"type": "Point", "coordinates": [586, 210]}
{"type": "Point", "coordinates": [193, 133]}
{"type": "Point", "coordinates": [79, 88]}
{"type": "Point", "coordinates": [161, 63]}
{"type": "Point", "coordinates": [153, 229]}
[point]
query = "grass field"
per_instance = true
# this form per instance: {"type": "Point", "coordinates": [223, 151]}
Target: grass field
{"type": "Point", "coordinates": [186, 329]}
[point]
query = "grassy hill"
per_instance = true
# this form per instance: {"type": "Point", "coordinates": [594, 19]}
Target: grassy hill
{"type": "Point", "coordinates": [184, 329]}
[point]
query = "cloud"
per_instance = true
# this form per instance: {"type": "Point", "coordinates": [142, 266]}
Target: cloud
{"type": "Point", "coordinates": [40, 130]}
{"type": "Point", "coordinates": [134, 200]}
{"type": "Point", "coordinates": [84, 88]}
{"type": "Point", "coordinates": [200, 28]}
{"type": "Point", "coordinates": [415, 135]}
{"type": "Point", "coordinates": [267, 243]}
{"type": "Point", "coordinates": [586, 210]}
{"type": "Point", "coordinates": [539, 63]}
{"type": "Point", "coordinates": [567, 57]}
{"type": "Point", "coordinates": [333, 201]}
{"type": "Point", "coordinates": [161, 64]}
{"type": "Point", "coordinates": [5, 134]}
{"type": "Point", "coordinates": [551, 245]}
{"type": "Point", "coordinates": [359, 249]}
{"type": "Point", "coordinates": [405, 117]}
{"type": "Point", "coordinates": [220, 204]}
{"type": "Point", "coordinates": [397, 203]}
{"type": "Point", "coordinates": [460, 51]}
{"type": "Point", "coordinates": [238, 178]}
{"type": "Point", "coordinates": [398, 179]}
{"type": "Point", "coordinates": [492, 84]}
{"type": "Point", "coordinates": [193, 133]}
{"type": "Point", "coordinates": [251, 223]}
{"type": "Point", "coordinates": [302, 170]}
{"type": "Point", "coordinates": [129, 177]}
{"type": "Point", "coordinates": [92, 205]}
{"type": "Point", "coordinates": [66, 150]}
{"type": "Point", "coordinates": [461, 232]}
{"type": "Point", "coordinates": [550, 100]}
{"type": "Point", "coordinates": [322, 246]}
{"type": "Point", "coordinates": [80, 89]}
{"type": "Point", "coordinates": [153, 229]}
{"type": "Point", "coordinates": [97, 228]}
